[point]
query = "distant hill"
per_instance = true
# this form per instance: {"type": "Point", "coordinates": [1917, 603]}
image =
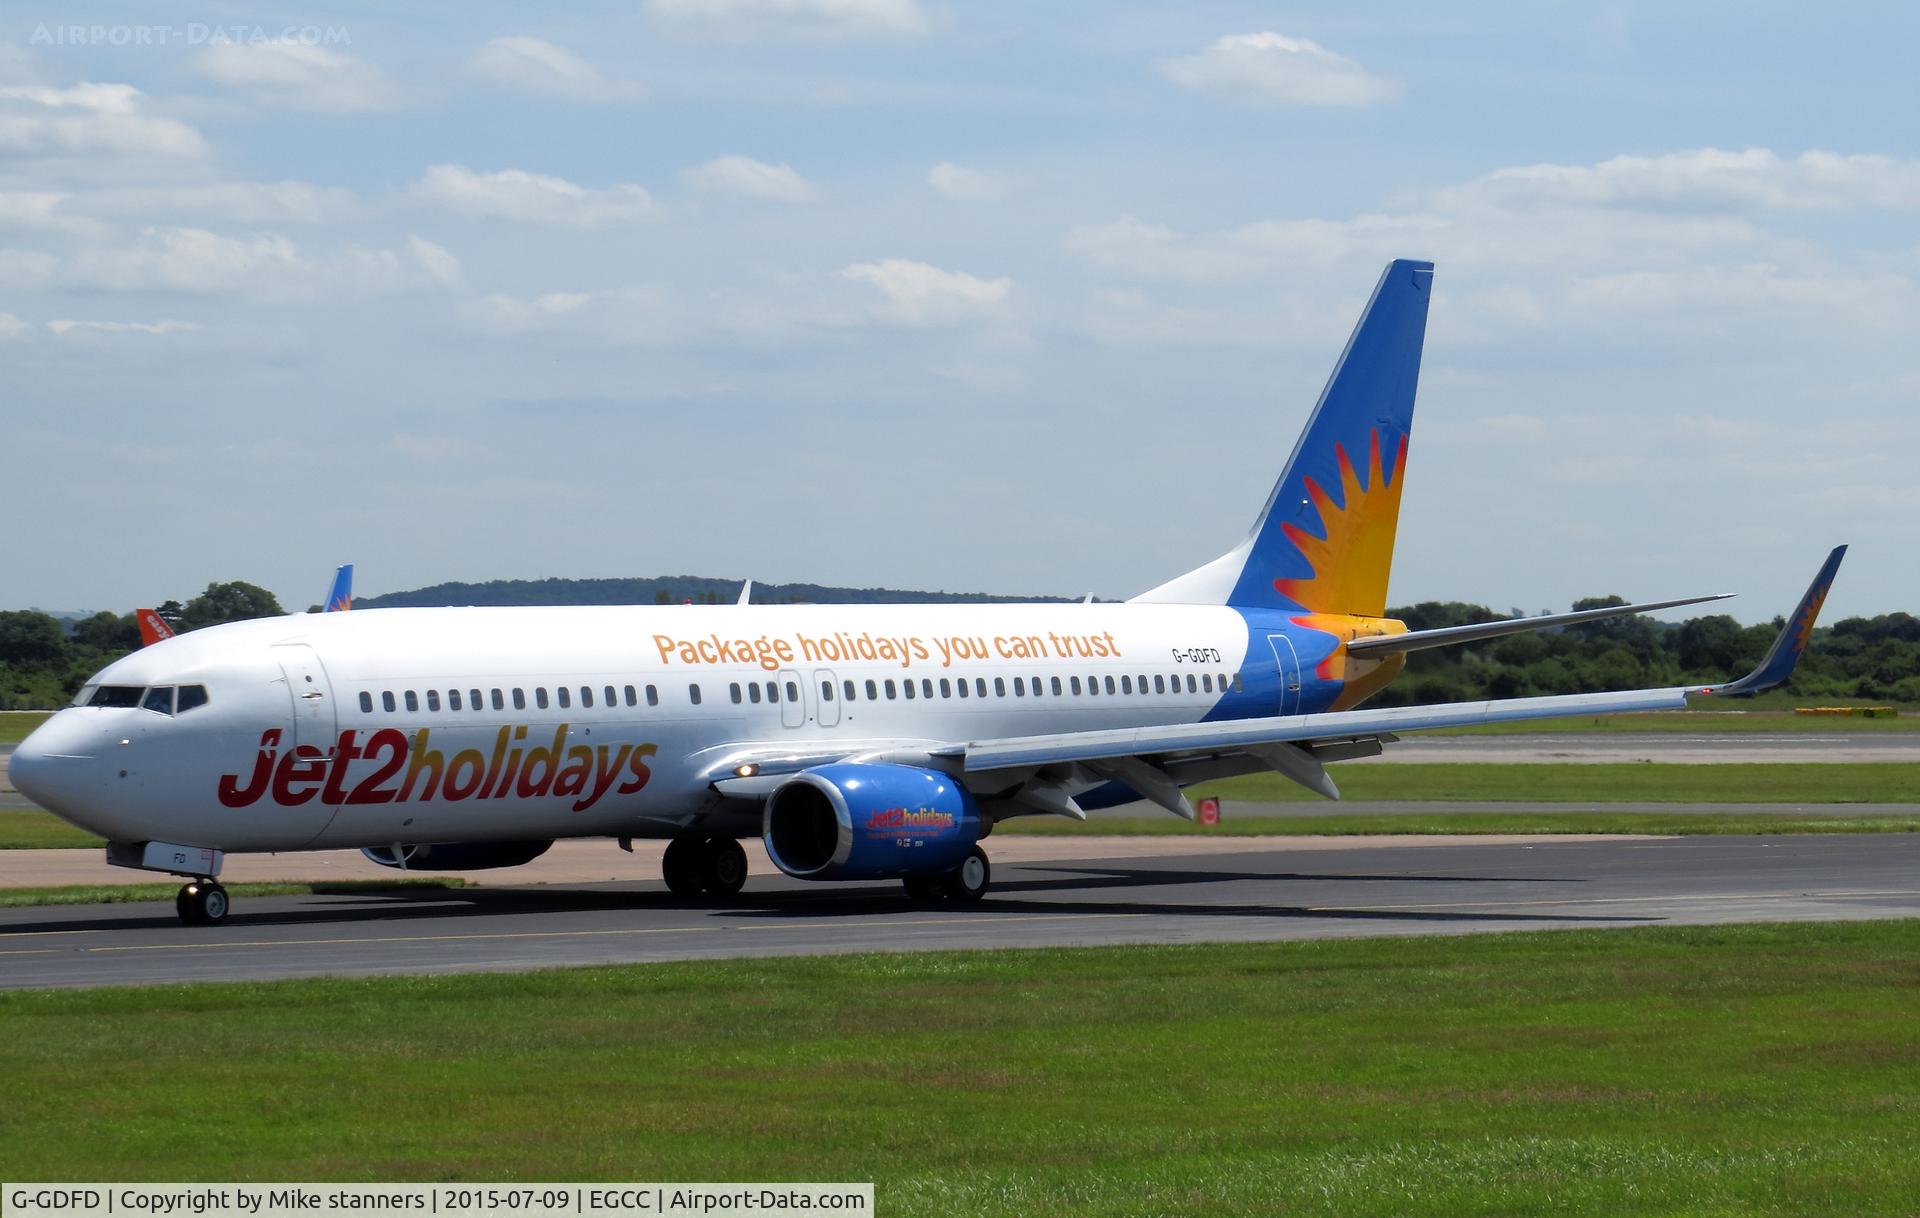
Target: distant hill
{"type": "Point", "coordinates": [670, 590]}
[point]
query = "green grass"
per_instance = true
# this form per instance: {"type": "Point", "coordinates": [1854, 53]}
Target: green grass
{"type": "Point", "coordinates": [1574, 820]}
{"type": "Point", "coordinates": [1612, 782]}
{"type": "Point", "coordinates": [125, 894]}
{"type": "Point", "coordinates": [1740, 1070]}
{"type": "Point", "coordinates": [35, 830]}
{"type": "Point", "coordinates": [16, 726]}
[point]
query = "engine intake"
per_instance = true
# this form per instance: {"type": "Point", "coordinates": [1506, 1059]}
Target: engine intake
{"type": "Point", "coordinates": [856, 821]}
{"type": "Point", "coordinates": [457, 856]}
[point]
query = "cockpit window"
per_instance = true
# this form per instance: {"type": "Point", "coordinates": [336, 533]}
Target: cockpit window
{"type": "Point", "coordinates": [116, 695]}
{"type": "Point", "coordinates": [85, 696]}
{"type": "Point", "coordinates": [189, 697]}
{"type": "Point", "coordinates": [159, 699]}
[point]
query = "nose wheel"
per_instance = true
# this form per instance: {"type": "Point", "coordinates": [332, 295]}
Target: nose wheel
{"type": "Point", "coordinates": [202, 903]}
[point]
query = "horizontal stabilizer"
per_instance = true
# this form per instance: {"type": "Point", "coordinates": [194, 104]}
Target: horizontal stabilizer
{"type": "Point", "coordinates": [1448, 636]}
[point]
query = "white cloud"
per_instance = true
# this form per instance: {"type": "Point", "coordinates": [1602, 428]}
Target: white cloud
{"type": "Point", "coordinates": [959, 183]}
{"type": "Point", "coordinates": [298, 76]}
{"type": "Point", "coordinates": [253, 202]}
{"type": "Point", "coordinates": [752, 20]}
{"type": "Point", "coordinates": [12, 327]}
{"type": "Point", "coordinates": [503, 313]}
{"type": "Point", "coordinates": [744, 176]}
{"type": "Point", "coordinates": [918, 291]}
{"type": "Point", "coordinates": [188, 260]}
{"type": "Point", "coordinates": [43, 211]}
{"type": "Point", "coordinates": [64, 327]}
{"type": "Point", "coordinates": [514, 194]}
{"type": "Point", "coordinates": [1268, 69]}
{"type": "Point", "coordinates": [533, 65]}
{"type": "Point", "coordinates": [90, 118]}
{"type": "Point", "coordinates": [1705, 178]}
{"type": "Point", "coordinates": [440, 265]}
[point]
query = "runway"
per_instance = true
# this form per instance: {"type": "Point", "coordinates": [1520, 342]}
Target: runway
{"type": "Point", "coordinates": [1149, 891]}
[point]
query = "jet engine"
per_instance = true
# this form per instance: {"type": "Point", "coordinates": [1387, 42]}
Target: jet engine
{"type": "Point", "coordinates": [858, 821]}
{"type": "Point", "coordinates": [457, 856]}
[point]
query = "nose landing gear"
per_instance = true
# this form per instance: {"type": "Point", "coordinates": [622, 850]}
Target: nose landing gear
{"type": "Point", "coordinates": [202, 903]}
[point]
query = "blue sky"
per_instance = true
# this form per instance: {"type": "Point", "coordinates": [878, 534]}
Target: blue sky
{"type": "Point", "coordinates": [1020, 298]}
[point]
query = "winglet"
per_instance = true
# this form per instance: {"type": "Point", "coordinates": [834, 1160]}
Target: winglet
{"type": "Point", "coordinates": [340, 596]}
{"type": "Point", "coordinates": [1792, 641]}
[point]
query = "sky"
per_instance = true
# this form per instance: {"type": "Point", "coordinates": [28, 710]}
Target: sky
{"type": "Point", "coordinates": [998, 297]}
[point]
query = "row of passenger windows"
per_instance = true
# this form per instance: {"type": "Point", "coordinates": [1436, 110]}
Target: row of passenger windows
{"type": "Point", "coordinates": [162, 699]}
{"type": "Point", "coordinates": [563, 697]}
{"type": "Point", "coordinates": [977, 687]}
{"type": "Point", "coordinates": [498, 699]}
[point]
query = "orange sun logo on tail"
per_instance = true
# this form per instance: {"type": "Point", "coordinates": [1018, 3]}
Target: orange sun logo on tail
{"type": "Point", "coordinates": [1351, 564]}
{"type": "Point", "coordinates": [1807, 619]}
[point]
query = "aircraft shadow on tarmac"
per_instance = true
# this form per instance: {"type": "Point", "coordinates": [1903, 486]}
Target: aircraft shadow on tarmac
{"type": "Point", "coordinates": [800, 903]}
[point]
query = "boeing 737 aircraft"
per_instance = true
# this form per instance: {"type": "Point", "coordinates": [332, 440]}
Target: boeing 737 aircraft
{"type": "Point", "coordinates": [860, 742]}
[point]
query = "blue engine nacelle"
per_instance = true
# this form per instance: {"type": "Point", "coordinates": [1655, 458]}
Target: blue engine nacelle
{"type": "Point", "coordinates": [869, 822]}
{"type": "Point", "coordinates": [457, 856]}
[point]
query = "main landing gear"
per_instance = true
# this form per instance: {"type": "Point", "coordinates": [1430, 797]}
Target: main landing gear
{"type": "Point", "coordinates": [202, 903]}
{"type": "Point", "coordinates": [716, 866]}
{"type": "Point", "coordinates": [963, 885]}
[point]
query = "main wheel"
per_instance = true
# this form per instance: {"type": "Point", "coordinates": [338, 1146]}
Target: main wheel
{"type": "Point", "coordinates": [726, 871]}
{"type": "Point", "coordinates": [924, 889]}
{"type": "Point", "coordinates": [684, 866]}
{"type": "Point", "coordinates": [968, 882]}
{"type": "Point", "coordinates": [202, 903]}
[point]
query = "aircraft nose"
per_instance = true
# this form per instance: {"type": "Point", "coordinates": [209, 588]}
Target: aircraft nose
{"type": "Point", "coordinates": [51, 765]}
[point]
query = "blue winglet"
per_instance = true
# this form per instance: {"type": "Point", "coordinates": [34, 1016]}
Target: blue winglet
{"type": "Point", "coordinates": [340, 596]}
{"type": "Point", "coordinates": [1792, 641]}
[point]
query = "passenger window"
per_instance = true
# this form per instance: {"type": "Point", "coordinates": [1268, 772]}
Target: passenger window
{"type": "Point", "coordinates": [1142, 687]}
{"type": "Point", "coordinates": [540, 698]}
{"type": "Point", "coordinates": [826, 691]}
{"type": "Point", "coordinates": [773, 691]}
{"type": "Point", "coordinates": [499, 700]}
{"type": "Point", "coordinates": [926, 687]}
{"type": "Point", "coordinates": [980, 687]}
{"type": "Point", "coordinates": [1206, 681]}
{"type": "Point", "coordinates": [413, 702]}
{"type": "Point", "coordinates": [1056, 687]}
{"type": "Point", "coordinates": [890, 689]}
{"type": "Point", "coordinates": [753, 692]}
{"type": "Point", "coordinates": [520, 699]}
{"type": "Point", "coordinates": [946, 688]}
{"type": "Point", "coordinates": [453, 700]}
{"type": "Point", "coordinates": [1019, 687]}
{"type": "Point", "coordinates": [1073, 683]}
{"type": "Point", "coordinates": [614, 701]}
{"type": "Point", "coordinates": [586, 696]}
{"type": "Point", "coordinates": [433, 699]}
{"type": "Point", "coordinates": [1126, 685]}
{"type": "Point", "coordinates": [847, 691]}
{"type": "Point", "coordinates": [1239, 686]}
{"type": "Point", "coordinates": [1160, 684]}
{"type": "Point", "coordinates": [999, 687]}
{"type": "Point", "coordinates": [793, 691]}
{"type": "Point", "coordinates": [160, 699]}
{"type": "Point", "coordinates": [386, 701]}
{"type": "Point", "coordinates": [911, 694]}
{"type": "Point", "coordinates": [1193, 685]}
{"type": "Point", "coordinates": [653, 696]}
{"type": "Point", "coordinates": [962, 683]}
{"type": "Point", "coordinates": [693, 694]}
{"type": "Point", "coordinates": [191, 696]}
{"type": "Point", "coordinates": [475, 701]}
{"type": "Point", "coordinates": [1109, 684]}
{"type": "Point", "coordinates": [563, 697]}
{"type": "Point", "coordinates": [873, 691]}
{"type": "Point", "coordinates": [366, 703]}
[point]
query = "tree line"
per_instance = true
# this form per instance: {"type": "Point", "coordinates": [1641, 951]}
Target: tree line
{"type": "Point", "coordinates": [44, 660]}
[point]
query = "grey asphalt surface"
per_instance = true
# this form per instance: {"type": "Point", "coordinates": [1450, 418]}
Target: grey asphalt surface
{"type": "Point", "coordinates": [1190, 894]}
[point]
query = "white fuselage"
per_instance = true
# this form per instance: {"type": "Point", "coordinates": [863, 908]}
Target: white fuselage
{"type": "Point", "coordinates": [410, 726]}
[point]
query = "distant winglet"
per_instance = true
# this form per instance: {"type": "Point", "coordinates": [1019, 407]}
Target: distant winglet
{"type": "Point", "coordinates": [1791, 643]}
{"type": "Point", "coordinates": [153, 627]}
{"type": "Point", "coordinates": [340, 596]}
{"type": "Point", "coordinates": [746, 593]}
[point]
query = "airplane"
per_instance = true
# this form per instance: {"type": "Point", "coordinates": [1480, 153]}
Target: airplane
{"type": "Point", "coordinates": [875, 742]}
{"type": "Point", "coordinates": [154, 628]}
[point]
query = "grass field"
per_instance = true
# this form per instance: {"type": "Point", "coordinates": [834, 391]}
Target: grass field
{"type": "Point", "coordinates": [15, 726]}
{"type": "Point", "coordinates": [1579, 820]}
{"type": "Point", "coordinates": [1740, 1070]}
{"type": "Point", "coordinates": [1622, 782]}
{"type": "Point", "coordinates": [36, 830]}
{"type": "Point", "coordinates": [124, 894]}
{"type": "Point", "coordinates": [1700, 722]}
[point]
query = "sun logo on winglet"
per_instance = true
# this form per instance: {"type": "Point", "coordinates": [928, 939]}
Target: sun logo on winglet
{"type": "Point", "coordinates": [1351, 563]}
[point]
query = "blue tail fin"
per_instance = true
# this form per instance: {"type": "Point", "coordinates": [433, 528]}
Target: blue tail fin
{"type": "Point", "coordinates": [1324, 541]}
{"type": "Point", "coordinates": [340, 596]}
